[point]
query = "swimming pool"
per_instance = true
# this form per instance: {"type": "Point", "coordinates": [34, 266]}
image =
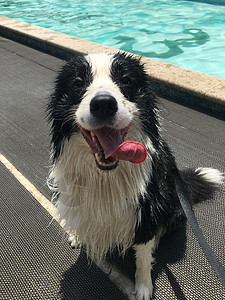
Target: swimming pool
{"type": "Point", "coordinates": [189, 34]}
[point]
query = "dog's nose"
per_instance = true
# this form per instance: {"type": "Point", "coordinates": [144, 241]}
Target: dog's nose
{"type": "Point", "coordinates": [103, 106]}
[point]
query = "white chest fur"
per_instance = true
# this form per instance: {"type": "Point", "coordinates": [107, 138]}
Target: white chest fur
{"type": "Point", "coordinates": [100, 207]}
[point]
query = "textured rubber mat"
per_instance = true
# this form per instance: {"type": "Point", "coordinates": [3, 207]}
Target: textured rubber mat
{"type": "Point", "coordinates": [36, 260]}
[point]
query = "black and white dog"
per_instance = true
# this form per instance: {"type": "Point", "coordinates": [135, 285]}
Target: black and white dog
{"type": "Point", "coordinates": [113, 172]}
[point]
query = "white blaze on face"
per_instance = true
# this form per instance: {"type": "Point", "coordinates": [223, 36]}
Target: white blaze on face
{"type": "Point", "coordinates": [103, 83]}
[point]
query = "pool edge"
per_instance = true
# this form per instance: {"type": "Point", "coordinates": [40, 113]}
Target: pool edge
{"type": "Point", "coordinates": [179, 84]}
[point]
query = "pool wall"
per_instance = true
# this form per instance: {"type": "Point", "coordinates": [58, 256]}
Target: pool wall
{"type": "Point", "coordinates": [188, 87]}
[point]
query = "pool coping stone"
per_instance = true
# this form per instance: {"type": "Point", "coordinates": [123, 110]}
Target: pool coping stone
{"type": "Point", "coordinates": [178, 84]}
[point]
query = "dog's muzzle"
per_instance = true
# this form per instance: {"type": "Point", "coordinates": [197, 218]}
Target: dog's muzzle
{"type": "Point", "coordinates": [105, 139]}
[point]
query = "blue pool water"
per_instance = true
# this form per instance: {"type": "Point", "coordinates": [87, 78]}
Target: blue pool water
{"type": "Point", "coordinates": [190, 34]}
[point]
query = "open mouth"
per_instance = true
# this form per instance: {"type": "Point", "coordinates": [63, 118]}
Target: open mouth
{"type": "Point", "coordinates": [104, 142]}
{"type": "Point", "coordinates": [106, 164]}
{"type": "Point", "coordinates": [108, 147]}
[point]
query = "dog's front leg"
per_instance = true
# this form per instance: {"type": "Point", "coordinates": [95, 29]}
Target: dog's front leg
{"type": "Point", "coordinates": [143, 280]}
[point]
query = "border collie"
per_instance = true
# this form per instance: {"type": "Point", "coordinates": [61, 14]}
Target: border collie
{"type": "Point", "coordinates": [112, 171]}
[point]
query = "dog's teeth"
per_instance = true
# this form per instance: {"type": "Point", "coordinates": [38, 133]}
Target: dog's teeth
{"type": "Point", "coordinates": [98, 157]}
{"type": "Point", "coordinates": [93, 137]}
{"type": "Point", "coordinates": [102, 163]}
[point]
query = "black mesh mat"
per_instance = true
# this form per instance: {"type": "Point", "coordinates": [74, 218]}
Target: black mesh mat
{"type": "Point", "coordinates": [37, 260]}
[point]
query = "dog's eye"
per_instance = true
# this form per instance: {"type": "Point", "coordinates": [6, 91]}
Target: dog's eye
{"type": "Point", "coordinates": [126, 80]}
{"type": "Point", "coordinates": [78, 82]}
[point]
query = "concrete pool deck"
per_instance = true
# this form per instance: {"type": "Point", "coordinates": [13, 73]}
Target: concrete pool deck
{"type": "Point", "coordinates": [190, 87]}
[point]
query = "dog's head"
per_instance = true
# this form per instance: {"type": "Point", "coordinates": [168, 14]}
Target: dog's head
{"type": "Point", "coordinates": [102, 96]}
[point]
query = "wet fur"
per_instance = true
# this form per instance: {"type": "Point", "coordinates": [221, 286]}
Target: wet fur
{"type": "Point", "coordinates": [134, 204]}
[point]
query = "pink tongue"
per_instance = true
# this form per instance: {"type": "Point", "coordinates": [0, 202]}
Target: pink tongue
{"type": "Point", "coordinates": [112, 143]}
{"type": "Point", "coordinates": [131, 151]}
{"type": "Point", "coordinates": [110, 139]}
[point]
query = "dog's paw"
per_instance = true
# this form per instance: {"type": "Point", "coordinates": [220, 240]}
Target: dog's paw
{"type": "Point", "coordinates": [73, 241]}
{"type": "Point", "coordinates": [144, 292]}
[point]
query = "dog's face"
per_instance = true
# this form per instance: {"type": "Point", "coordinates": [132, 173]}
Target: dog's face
{"type": "Point", "coordinates": [100, 95]}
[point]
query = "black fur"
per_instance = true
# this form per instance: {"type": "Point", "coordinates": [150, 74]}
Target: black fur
{"type": "Point", "coordinates": [71, 83]}
{"type": "Point", "coordinates": [139, 91]}
{"type": "Point", "coordinates": [160, 208]}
